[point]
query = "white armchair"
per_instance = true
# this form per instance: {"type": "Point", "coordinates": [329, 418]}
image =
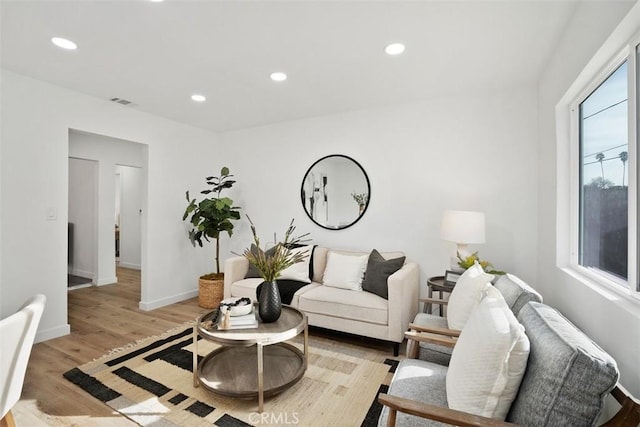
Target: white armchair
{"type": "Point", "coordinates": [18, 332]}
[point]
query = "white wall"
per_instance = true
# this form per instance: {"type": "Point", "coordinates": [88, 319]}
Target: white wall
{"type": "Point", "coordinates": [612, 322]}
{"type": "Point", "coordinates": [83, 189]}
{"type": "Point", "coordinates": [108, 153]}
{"type": "Point", "coordinates": [36, 118]}
{"type": "Point", "coordinates": [469, 153]}
{"type": "Point", "coordinates": [131, 181]}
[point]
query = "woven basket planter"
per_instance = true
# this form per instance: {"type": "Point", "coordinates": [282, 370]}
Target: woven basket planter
{"type": "Point", "coordinates": [210, 292]}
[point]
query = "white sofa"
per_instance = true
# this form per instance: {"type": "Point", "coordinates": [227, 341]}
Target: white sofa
{"type": "Point", "coordinates": [356, 312]}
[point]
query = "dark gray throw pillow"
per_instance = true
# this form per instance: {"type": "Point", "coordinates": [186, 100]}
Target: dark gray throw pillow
{"type": "Point", "coordinates": [378, 271]}
{"type": "Point", "coordinates": [253, 272]}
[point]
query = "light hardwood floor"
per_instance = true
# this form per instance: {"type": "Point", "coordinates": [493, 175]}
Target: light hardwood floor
{"type": "Point", "coordinates": [101, 318]}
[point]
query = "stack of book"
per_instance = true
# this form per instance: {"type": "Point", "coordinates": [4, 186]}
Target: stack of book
{"type": "Point", "coordinates": [246, 321]}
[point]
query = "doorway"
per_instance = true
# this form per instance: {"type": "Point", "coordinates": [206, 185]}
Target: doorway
{"type": "Point", "coordinates": [128, 216]}
{"type": "Point", "coordinates": [82, 212]}
{"type": "Point", "coordinates": [119, 172]}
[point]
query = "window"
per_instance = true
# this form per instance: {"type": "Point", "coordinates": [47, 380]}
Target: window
{"type": "Point", "coordinates": [603, 182]}
{"type": "Point", "coordinates": [598, 178]}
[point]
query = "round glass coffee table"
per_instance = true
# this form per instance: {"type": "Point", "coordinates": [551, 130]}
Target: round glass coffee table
{"type": "Point", "coordinates": [254, 362]}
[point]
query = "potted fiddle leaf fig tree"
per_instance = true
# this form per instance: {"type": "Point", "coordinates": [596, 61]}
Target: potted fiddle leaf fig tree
{"type": "Point", "coordinates": [209, 218]}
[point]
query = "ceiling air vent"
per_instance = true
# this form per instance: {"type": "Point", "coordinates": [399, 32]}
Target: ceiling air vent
{"type": "Point", "coordinates": [121, 101]}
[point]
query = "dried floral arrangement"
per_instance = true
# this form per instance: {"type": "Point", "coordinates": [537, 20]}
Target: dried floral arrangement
{"type": "Point", "coordinates": [272, 262]}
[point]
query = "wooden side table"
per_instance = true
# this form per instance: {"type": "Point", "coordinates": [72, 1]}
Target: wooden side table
{"type": "Point", "coordinates": [437, 283]}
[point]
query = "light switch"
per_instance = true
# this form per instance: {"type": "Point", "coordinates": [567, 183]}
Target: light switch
{"type": "Point", "coordinates": [52, 214]}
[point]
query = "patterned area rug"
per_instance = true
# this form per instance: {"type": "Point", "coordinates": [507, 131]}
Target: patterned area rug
{"type": "Point", "coordinates": [151, 383]}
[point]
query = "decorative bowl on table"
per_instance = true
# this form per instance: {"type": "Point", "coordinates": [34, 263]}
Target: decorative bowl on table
{"type": "Point", "coordinates": [238, 306]}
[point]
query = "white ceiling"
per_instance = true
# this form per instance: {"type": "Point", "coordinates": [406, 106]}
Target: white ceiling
{"type": "Point", "coordinates": [158, 54]}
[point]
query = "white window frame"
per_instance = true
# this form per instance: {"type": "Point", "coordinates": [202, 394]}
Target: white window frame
{"type": "Point", "coordinates": [629, 287]}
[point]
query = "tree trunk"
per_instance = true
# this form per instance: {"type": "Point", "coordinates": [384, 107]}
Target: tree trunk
{"type": "Point", "coordinates": [217, 255]}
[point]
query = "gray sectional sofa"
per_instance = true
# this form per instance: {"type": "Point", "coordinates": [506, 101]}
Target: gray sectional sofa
{"type": "Point", "coordinates": [566, 379]}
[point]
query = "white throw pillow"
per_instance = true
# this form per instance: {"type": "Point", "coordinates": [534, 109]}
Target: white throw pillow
{"type": "Point", "coordinates": [488, 361]}
{"type": "Point", "coordinates": [345, 271]}
{"type": "Point", "coordinates": [300, 270]}
{"type": "Point", "coordinates": [466, 295]}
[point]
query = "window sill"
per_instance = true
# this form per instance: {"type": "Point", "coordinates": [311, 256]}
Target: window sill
{"type": "Point", "coordinates": [606, 288]}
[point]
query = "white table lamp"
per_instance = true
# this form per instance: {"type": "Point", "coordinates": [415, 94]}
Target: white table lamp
{"type": "Point", "coordinates": [463, 228]}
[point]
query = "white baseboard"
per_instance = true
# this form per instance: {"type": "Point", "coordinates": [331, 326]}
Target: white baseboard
{"type": "Point", "coordinates": [152, 305]}
{"type": "Point", "coordinates": [129, 265]}
{"type": "Point", "coordinates": [52, 333]}
{"type": "Point", "coordinates": [106, 281]}
{"type": "Point", "coordinates": [74, 287]}
{"type": "Point", "coordinates": [81, 273]}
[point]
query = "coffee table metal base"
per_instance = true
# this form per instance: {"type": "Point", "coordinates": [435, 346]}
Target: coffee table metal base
{"type": "Point", "coordinates": [252, 362]}
{"type": "Point", "coordinates": [231, 371]}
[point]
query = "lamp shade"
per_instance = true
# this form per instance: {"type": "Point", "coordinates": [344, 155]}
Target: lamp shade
{"type": "Point", "coordinates": [463, 227]}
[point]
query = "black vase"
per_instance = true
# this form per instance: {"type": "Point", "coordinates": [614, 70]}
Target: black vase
{"type": "Point", "coordinates": [269, 303]}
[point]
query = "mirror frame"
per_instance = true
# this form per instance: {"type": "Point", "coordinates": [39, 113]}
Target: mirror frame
{"type": "Point", "coordinates": [302, 194]}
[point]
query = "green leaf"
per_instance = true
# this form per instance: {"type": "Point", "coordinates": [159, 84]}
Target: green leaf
{"type": "Point", "coordinates": [224, 171]}
{"type": "Point", "coordinates": [223, 202]}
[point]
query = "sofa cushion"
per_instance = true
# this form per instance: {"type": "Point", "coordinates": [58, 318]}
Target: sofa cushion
{"type": "Point", "coordinates": [294, 272]}
{"type": "Point", "coordinates": [252, 271]}
{"type": "Point", "coordinates": [378, 271]}
{"type": "Point", "coordinates": [295, 301]}
{"type": "Point", "coordinates": [345, 304]}
{"type": "Point", "coordinates": [466, 295]}
{"type": "Point", "coordinates": [345, 271]}
{"type": "Point", "coordinates": [488, 360]}
{"type": "Point", "coordinates": [311, 256]}
{"type": "Point", "coordinates": [421, 381]}
{"type": "Point", "coordinates": [567, 375]}
{"type": "Point", "coordinates": [319, 263]}
{"type": "Point", "coordinates": [300, 270]}
{"type": "Point", "coordinates": [516, 292]}
{"type": "Point", "coordinates": [246, 287]}
{"type": "Point", "coordinates": [320, 259]}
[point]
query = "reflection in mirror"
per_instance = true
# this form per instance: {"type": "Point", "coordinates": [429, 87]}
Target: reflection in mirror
{"type": "Point", "coordinates": [335, 192]}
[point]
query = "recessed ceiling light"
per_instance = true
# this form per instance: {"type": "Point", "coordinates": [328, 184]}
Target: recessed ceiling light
{"type": "Point", "coordinates": [278, 77]}
{"type": "Point", "coordinates": [394, 49]}
{"type": "Point", "coordinates": [64, 43]}
{"type": "Point", "coordinates": [198, 98]}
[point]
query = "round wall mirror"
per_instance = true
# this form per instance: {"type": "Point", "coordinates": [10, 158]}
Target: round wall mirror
{"type": "Point", "coordinates": [335, 192]}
